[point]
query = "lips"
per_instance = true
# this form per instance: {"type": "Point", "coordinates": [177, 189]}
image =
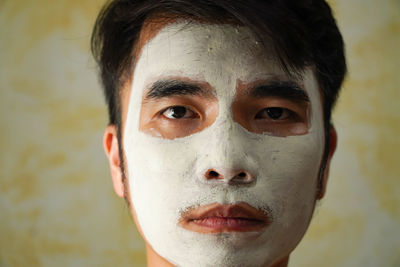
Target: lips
{"type": "Point", "coordinates": [216, 218]}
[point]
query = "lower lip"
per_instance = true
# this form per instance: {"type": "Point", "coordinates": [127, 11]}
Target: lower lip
{"type": "Point", "coordinates": [225, 224]}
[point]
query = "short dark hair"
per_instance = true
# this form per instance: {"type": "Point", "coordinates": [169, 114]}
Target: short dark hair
{"type": "Point", "coordinates": [303, 33]}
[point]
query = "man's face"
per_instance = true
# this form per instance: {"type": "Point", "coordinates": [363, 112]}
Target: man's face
{"type": "Point", "coordinates": [223, 148]}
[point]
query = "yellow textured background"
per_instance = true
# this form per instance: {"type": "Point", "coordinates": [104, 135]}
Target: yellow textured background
{"type": "Point", "coordinates": [57, 207]}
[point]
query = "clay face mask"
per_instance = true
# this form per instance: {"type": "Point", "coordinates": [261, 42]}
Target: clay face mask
{"type": "Point", "coordinates": [167, 175]}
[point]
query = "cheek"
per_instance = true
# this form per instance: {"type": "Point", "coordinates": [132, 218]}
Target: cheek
{"type": "Point", "coordinates": [159, 171]}
{"type": "Point", "coordinates": [288, 170]}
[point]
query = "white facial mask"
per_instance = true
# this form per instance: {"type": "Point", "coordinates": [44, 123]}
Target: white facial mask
{"type": "Point", "coordinates": [167, 176]}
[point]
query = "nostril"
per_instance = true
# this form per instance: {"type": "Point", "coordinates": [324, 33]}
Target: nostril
{"type": "Point", "coordinates": [242, 175]}
{"type": "Point", "coordinates": [213, 174]}
{"type": "Point", "coordinates": [233, 177]}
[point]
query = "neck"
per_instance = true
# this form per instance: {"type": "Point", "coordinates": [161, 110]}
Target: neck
{"type": "Point", "coordinates": [155, 260]}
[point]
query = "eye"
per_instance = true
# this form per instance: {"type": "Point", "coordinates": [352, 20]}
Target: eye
{"type": "Point", "coordinates": [178, 112]}
{"type": "Point", "coordinates": [274, 113]}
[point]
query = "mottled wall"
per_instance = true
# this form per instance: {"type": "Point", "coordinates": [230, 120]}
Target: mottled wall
{"type": "Point", "coordinates": [57, 207]}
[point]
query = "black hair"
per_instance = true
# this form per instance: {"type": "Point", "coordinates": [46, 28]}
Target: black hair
{"type": "Point", "coordinates": [303, 33]}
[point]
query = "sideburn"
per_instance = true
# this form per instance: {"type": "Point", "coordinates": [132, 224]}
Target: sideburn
{"type": "Point", "coordinates": [324, 160]}
{"type": "Point", "coordinates": [122, 166]}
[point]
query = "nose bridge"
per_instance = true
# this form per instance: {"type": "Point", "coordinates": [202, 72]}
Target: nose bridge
{"type": "Point", "coordinates": [224, 158]}
{"type": "Point", "coordinates": [227, 143]}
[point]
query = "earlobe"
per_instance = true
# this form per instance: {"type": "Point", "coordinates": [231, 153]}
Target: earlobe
{"type": "Point", "coordinates": [332, 148]}
{"type": "Point", "coordinates": [111, 148]}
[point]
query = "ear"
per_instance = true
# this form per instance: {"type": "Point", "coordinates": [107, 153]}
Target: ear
{"type": "Point", "coordinates": [111, 148]}
{"type": "Point", "coordinates": [332, 148]}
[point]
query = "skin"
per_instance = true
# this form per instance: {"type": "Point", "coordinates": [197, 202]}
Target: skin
{"type": "Point", "coordinates": [205, 110]}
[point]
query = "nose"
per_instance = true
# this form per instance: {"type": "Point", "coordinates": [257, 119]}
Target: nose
{"type": "Point", "coordinates": [229, 176]}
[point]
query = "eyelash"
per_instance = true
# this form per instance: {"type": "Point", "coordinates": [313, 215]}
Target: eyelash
{"type": "Point", "coordinates": [161, 113]}
{"type": "Point", "coordinates": [290, 115]}
{"type": "Point", "coordinates": [287, 113]}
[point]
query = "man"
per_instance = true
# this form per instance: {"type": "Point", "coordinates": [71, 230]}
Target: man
{"type": "Point", "coordinates": [220, 137]}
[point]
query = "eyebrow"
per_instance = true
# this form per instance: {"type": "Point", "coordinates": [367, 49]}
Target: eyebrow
{"type": "Point", "coordinates": [284, 89]}
{"type": "Point", "coordinates": [169, 88]}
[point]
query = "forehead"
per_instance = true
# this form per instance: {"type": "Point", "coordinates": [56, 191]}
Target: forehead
{"type": "Point", "coordinates": [208, 52]}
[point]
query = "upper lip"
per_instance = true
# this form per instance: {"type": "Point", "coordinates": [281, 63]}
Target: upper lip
{"type": "Point", "coordinates": [240, 210]}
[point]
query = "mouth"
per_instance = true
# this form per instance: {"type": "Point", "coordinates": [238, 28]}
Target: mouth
{"type": "Point", "coordinates": [217, 218]}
